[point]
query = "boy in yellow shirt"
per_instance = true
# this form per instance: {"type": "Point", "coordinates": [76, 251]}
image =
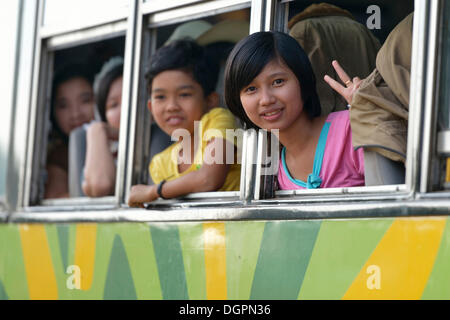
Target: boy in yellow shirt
{"type": "Point", "coordinates": [181, 83]}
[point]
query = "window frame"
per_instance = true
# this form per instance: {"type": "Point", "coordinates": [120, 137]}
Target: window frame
{"type": "Point", "coordinates": [45, 46]}
{"type": "Point", "coordinates": [49, 30]}
{"type": "Point", "coordinates": [436, 143]}
{"type": "Point", "coordinates": [422, 106]}
{"type": "Point", "coordinates": [9, 88]}
{"type": "Point", "coordinates": [151, 22]}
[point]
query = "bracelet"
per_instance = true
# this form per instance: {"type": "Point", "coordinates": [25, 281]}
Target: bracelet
{"type": "Point", "coordinates": [159, 189]}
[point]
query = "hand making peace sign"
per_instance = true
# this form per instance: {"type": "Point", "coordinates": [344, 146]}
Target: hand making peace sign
{"type": "Point", "coordinates": [350, 85]}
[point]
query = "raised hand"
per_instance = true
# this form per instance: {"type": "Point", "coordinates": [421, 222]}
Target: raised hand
{"type": "Point", "coordinates": [350, 87]}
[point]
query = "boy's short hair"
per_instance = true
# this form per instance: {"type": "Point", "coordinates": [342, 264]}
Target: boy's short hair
{"type": "Point", "coordinates": [249, 57]}
{"type": "Point", "coordinates": [185, 55]}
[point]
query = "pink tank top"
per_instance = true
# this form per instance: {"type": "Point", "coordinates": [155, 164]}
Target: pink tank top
{"type": "Point", "coordinates": [336, 163]}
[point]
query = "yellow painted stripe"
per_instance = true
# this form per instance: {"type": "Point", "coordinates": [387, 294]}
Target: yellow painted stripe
{"type": "Point", "coordinates": [215, 261]}
{"type": "Point", "coordinates": [38, 262]}
{"type": "Point", "coordinates": [400, 265]}
{"type": "Point", "coordinates": [86, 235]}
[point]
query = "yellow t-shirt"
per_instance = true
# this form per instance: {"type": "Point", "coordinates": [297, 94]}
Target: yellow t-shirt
{"type": "Point", "coordinates": [213, 124]}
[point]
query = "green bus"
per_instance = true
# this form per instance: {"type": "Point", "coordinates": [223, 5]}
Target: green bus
{"type": "Point", "coordinates": [372, 242]}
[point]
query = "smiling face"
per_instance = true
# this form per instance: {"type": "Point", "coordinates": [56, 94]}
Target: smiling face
{"type": "Point", "coordinates": [74, 104]}
{"type": "Point", "coordinates": [114, 103]}
{"type": "Point", "coordinates": [176, 101]}
{"type": "Point", "coordinates": [273, 99]}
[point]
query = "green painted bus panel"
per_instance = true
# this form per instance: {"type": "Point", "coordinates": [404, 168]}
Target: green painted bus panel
{"type": "Point", "coordinates": [304, 259]}
{"type": "Point", "coordinates": [12, 267]}
{"type": "Point", "coordinates": [119, 282]}
{"type": "Point", "coordinates": [58, 251]}
{"type": "Point", "coordinates": [63, 238]}
{"type": "Point", "coordinates": [438, 286]}
{"type": "Point", "coordinates": [243, 241]}
{"type": "Point", "coordinates": [138, 244]}
{"type": "Point", "coordinates": [135, 240]}
{"type": "Point", "coordinates": [285, 251]}
{"type": "Point", "coordinates": [341, 249]}
{"type": "Point", "coordinates": [3, 295]}
{"type": "Point", "coordinates": [192, 245]}
{"type": "Point", "coordinates": [169, 258]}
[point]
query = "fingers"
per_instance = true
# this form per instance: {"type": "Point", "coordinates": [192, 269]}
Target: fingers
{"type": "Point", "coordinates": [341, 73]}
{"type": "Point", "coordinates": [136, 205]}
{"type": "Point", "coordinates": [134, 199]}
{"type": "Point", "coordinates": [335, 85]}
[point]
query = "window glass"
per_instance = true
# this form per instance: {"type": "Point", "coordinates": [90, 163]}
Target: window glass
{"type": "Point", "coordinates": [81, 12]}
{"type": "Point", "coordinates": [353, 33]}
{"type": "Point", "coordinates": [84, 117]}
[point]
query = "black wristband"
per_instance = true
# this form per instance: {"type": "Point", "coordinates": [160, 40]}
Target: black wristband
{"type": "Point", "coordinates": [159, 189]}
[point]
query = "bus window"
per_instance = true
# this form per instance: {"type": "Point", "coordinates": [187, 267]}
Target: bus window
{"type": "Point", "coordinates": [353, 33]}
{"type": "Point", "coordinates": [217, 33]}
{"type": "Point", "coordinates": [85, 102]}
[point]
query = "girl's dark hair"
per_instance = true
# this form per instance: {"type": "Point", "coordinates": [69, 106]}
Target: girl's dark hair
{"type": "Point", "coordinates": [185, 55]}
{"type": "Point", "coordinates": [249, 57]}
{"type": "Point", "coordinates": [110, 71]}
{"type": "Point", "coordinates": [63, 74]}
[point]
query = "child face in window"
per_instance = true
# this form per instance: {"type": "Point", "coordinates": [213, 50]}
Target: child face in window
{"type": "Point", "coordinates": [273, 99]}
{"type": "Point", "coordinates": [114, 103]}
{"type": "Point", "coordinates": [177, 100]}
{"type": "Point", "coordinates": [74, 104]}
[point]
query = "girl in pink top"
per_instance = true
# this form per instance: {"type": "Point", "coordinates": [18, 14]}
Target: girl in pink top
{"type": "Point", "coordinates": [270, 84]}
{"type": "Point", "coordinates": [338, 165]}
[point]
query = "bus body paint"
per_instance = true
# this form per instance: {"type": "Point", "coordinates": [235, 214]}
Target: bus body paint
{"type": "Point", "coordinates": [305, 259]}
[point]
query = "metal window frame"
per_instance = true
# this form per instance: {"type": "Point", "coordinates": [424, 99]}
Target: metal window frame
{"type": "Point", "coordinates": [277, 211]}
{"type": "Point", "coordinates": [42, 65]}
{"type": "Point", "coordinates": [18, 146]}
{"type": "Point", "coordinates": [14, 48]}
{"type": "Point", "coordinates": [87, 35]}
{"type": "Point", "coordinates": [108, 17]}
{"type": "Point", "coordinates": [36, 93]}
{"type": "Point", "coordinates": [153, 6]}
{"type": "Point", "coordinates": [436, 143]}
{"type": "Point", "coordinates": [198, 9]}
{"type": "Point", "coordinates": [421, 113]}
{"type": "Point", "coordinates": [429, 113]}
